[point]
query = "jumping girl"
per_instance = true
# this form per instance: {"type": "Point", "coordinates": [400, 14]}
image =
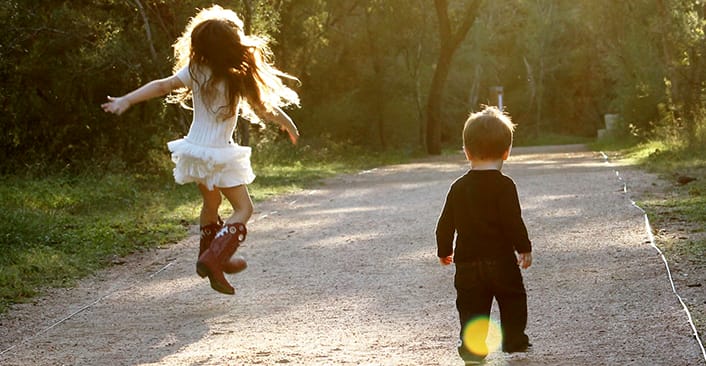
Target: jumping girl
{"type": "Point", "coordinates": [225, 73]}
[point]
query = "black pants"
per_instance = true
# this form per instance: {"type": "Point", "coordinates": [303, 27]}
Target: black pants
{"type": "Point", "coordinates": [477, 283]}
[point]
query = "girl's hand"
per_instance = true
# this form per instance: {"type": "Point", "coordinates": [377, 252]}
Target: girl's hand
{"type": "Point", "coordinates": [277, 115]}
{"type": "Point", "coordinates": [293, 134]}
{"type": "Point", "coordinates": [445, 261]}
{"type": "Point", "coordinates": [116, 105]}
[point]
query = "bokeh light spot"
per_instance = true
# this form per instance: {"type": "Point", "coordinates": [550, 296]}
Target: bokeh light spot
{"type": "Point", "coordinates": [482, 335]}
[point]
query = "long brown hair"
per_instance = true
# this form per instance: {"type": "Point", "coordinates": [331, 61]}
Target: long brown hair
{"type": "Point", "coordinates": [214, 38]}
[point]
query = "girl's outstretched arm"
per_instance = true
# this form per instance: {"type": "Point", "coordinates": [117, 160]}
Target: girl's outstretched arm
{"type": "Point", "coordinates": [153, 89]}
{"type": "Point", "coordinates": [278, 116]}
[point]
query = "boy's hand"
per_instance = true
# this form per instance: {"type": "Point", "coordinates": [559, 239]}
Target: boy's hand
{"type": "Point", "coordinates": [524, 260]}
{"type": "Point", "coordinates": [445, 261]}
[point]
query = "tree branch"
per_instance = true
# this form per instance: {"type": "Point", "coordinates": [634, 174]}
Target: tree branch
{"type": "Point", "coordinates": [145, 19]}
{"type": "Point", "coordinates": [442, 13]}
{"type": "Point", "coordinates": [471, 13]}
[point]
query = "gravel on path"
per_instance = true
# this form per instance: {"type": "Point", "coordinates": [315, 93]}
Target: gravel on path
{"type": "Point", "coordinates": [345, 273]}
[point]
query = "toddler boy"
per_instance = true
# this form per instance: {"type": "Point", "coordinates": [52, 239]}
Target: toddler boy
{"type": "Point", "coordinates": [482, 211]}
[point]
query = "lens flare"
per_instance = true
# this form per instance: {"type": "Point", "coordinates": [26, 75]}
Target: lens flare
{"type": "Point", "coordinates": [482, 335]}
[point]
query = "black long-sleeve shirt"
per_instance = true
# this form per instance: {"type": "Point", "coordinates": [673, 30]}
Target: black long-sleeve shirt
{"type": "Point", "coordinates": [483, 210]}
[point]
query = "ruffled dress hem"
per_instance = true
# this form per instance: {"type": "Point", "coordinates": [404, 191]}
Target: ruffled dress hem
{"type": "Point", "coordinates": [220, 166]}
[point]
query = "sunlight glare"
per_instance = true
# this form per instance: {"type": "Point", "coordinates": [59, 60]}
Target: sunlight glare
{"type": "Point", "coordinates": [474, 335]}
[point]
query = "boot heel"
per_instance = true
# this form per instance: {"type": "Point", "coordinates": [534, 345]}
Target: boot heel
{"type": "Point", "coordinates": [201, 269]}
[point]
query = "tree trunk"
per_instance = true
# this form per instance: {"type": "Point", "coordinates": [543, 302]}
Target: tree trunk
{"type": "Point", "coordinates": [418, 98]}
{"type": "Point", "coordinates": [540, 97]}
{"type": "Point", "coordinates": [450, 41]}
{"type": "Point", "coordinates": [376, 64]}
{"type": "Point", "coordinates": [695, 103]}
{"type": "Point", "coordinates": [148, 30]}
{"type": "Point", "coordinates": [532, 86]}
{"type": "Point", "coordinates": [474, 90]}
{"type": "Point", "coordinates": [434, 101]}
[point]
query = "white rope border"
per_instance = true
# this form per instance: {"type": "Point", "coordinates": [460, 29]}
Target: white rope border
{"type": "Point", "coordinates": [84, 308]}
{"type": "Point", "coordinates": [648, 229]}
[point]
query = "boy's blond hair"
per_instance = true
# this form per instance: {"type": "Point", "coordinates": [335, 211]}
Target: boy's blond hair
{"type": "Point", "coordinates": [488, 134]}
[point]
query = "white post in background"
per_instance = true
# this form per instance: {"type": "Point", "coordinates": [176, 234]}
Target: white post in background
{"type": "Point", "coordinates": [497, 91]}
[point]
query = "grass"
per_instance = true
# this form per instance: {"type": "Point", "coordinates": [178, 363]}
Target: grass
{"type": "Point", "coordinates": [681, 204]}
{"type": "Point", "coordinates": [57, 228]}
{"type": "Point", "coordinates": [552, 139]}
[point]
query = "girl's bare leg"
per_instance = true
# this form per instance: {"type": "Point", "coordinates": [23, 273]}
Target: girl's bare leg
{"type": "Point", "coordinates": [210, 226]}
{"type": "Point", "coordinates": [217, 259]}
{"type": "Point", "coordinates": [239, 198]}
{"type": "Point", "coordinates": [211, 201]}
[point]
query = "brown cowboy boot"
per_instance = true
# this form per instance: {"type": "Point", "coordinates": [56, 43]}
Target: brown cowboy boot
{"type": "Point", "coordinates": [222, 248]}
{"type": "Point", "coordinates": [231, 265]}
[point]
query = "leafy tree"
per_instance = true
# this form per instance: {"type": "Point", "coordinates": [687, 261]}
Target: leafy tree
{"type": "Point", "coordinates": [683, 46]}
{"type": "Point", "coordinates": [543, 55]}
{"type": "Point", "coordinates": [449, 39]}
{"type": "Point", "coordinates": [664, 96]}
{"type": "Point", "coordinates": [361, 68]}
{"type": "Point", "coordinates": [379, 73]}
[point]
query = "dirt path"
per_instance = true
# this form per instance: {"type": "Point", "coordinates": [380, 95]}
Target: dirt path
{"type": "Point", "coordinates": [346, 274]}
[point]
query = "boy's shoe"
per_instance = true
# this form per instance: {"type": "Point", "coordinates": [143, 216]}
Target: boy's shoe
{"type": "Point", "coordinates": [469, 357]}
{"type": "Point", "coordinates": [517, 348]}
{"type": "Point", "coordinates": [478, 362]}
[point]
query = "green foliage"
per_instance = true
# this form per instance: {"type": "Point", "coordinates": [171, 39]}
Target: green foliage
{"type": "Point", "coordinates": [364, 72]}
{"type": "Point", "coordinates": [282, 167]}
{"type": "Point", "coordinates": [59, 63]}
{"type": "Point", "coordinates": [365, 68]}
{"type": "Point", "coordinates": [615, 142]}
{"type": "Point", "coordinates": [60, 227]}
{"type": "Point", "coordinates": [669, 157]}
{"type": "Point", "coordinates": [543, 55]}
{"type": "Point", "coordinates": [563, 65]}
{"type": "Point", "coordinates": [360, 64]}
{"type": "Point", "coordinates": [664, 97]}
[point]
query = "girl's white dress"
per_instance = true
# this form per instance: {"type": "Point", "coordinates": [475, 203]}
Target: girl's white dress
{"type": "Point", "coordinates": [208, 154]}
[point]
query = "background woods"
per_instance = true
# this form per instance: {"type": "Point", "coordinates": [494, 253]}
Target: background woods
{"type": "Point", "coordinates": [382, 74]}
{"type": "Point", "coordinates": [380, 81]}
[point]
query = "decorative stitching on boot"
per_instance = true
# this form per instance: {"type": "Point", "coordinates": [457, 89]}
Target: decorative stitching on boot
{"type": "Point", "coordinates": [205, 232]}
{"type": "Point", "coordinates": [209, 230]}
{"type": "Point", "coordinates": [242, 231]}
{"type": "Point", "coordinates": [222, 232]}
{"type": "Point", "coordinates": [237, 229]}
